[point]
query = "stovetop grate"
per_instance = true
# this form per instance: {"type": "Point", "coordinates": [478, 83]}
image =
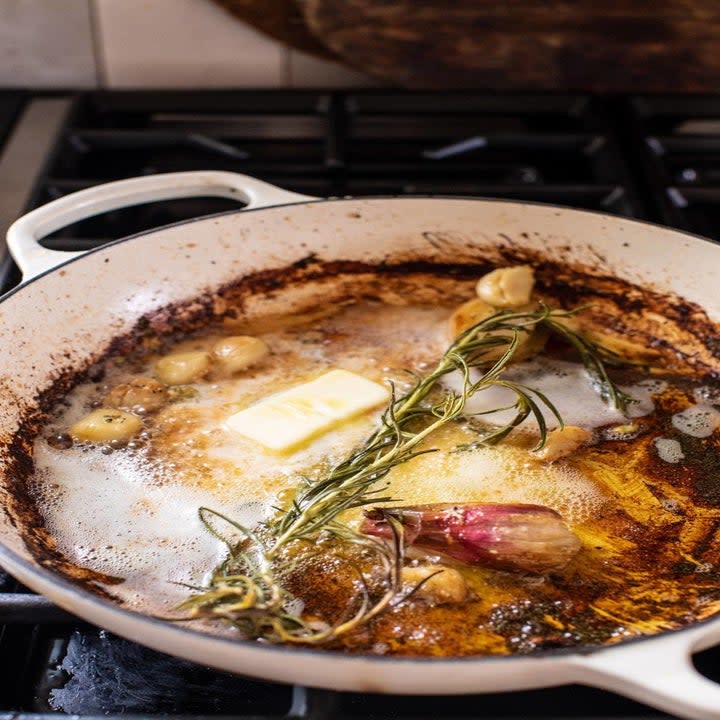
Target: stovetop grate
{"type": "Point", "coordinates": [679, 152]}
{"type": "Point", "coordinates": [651, 158]}
{"type": "Point", "coordinates": [559, 149]}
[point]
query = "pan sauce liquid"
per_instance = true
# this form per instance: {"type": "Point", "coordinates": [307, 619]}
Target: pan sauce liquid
{"type": "Point", "coordinates": [649, 556]}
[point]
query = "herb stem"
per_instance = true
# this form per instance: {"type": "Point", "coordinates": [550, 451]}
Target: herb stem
{"type": "Point", "coordinates": [327, 507]}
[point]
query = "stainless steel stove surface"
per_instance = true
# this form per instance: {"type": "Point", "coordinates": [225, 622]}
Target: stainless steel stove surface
{"type": "Point", "coordinates": [655, 158]}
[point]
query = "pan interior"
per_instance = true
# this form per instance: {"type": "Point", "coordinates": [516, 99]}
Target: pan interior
{"type": "Point", "coordinates": [647, 517]}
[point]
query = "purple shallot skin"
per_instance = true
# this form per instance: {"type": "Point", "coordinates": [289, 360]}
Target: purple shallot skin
{"type": "Point", "coordinates": [516, 537]}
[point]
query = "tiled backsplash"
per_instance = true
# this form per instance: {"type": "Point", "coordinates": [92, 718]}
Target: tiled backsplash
{"type": "Point", "coordinates": [148, 44]}
{"type": "Point", "coordinates": [47, 44]}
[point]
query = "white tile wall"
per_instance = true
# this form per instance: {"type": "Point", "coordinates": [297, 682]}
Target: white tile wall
{"type": "Point", "coordinates": [182, 43]}
{"type": "Point", "coordinates": [46, 43]}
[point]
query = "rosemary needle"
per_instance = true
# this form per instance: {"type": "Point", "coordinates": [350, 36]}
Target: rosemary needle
{"type": "Point", "coordinates": [245, 589]}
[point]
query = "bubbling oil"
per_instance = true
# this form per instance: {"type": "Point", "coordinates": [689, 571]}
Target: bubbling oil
{"type": "Point", "coordinates": [504, 473]}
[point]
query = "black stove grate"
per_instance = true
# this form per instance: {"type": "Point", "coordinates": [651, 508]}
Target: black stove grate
{"type": "Point", "coordinates": [558, 149]}
{"type": "Point", "coordinates": [645, 158]}
{"type": "Point", "coordinates": [679, 154]}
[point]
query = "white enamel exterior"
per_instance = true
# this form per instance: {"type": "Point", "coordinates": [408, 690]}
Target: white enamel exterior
{"type": "Point", "coordinates": [61, 316]}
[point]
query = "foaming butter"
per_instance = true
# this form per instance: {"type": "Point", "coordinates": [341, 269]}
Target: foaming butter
{"type": "Point", "coordinates": [669, 450]}
{"type": "Point", "coordinates": [570, 389]}
{"type": "Point", "coordinates": [110, 513]}
{"type": "Point", "coordinates": [504, 473]}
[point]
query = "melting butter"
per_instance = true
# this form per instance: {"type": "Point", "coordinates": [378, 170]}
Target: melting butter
{"type": "Point", "coordinates": [287, 419]}
{"type": "Point", "coordinates": [134, 514]}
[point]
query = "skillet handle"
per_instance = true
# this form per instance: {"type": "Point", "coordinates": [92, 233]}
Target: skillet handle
{"type": "Point", "coordinates": [659, 673]}
{"type": "Point", "coordinates": [24, 234]}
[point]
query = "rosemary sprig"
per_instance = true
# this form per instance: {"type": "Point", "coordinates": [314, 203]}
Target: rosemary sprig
{"type": "Point", "coordinates": [593, 356]}
{"type": "Point", "coordinates": [246, 589]}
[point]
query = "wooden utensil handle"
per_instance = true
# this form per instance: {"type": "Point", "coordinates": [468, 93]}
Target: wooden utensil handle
{"type": "Point", "coordinates": [578, 45]}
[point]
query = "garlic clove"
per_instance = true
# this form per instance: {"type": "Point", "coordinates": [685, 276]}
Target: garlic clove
{"type": "Point", "coordinates": [236, 353]}
{"type": "Point", "coordinates": [507, 287]}
{"type": "Point", "coordinates": [182, 368]}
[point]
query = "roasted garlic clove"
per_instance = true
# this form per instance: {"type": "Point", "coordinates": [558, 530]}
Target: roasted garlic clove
{"type": "Point", "coordinates": [473, 311]}
{"type": "Point", "coordinates": [562, 442]}
{"type": "Point", "coordinates": [236, 353]}
{"type": "Point", "coordinates": [518, 537]}
{"type": "Point", "coordinates": [183, 368]}
{"type": "Point", "coordinates": [141, 393]}
{"type": "Point", "coordinates": [435, 584]}
{"type": "Point", "coordinates": [106, 425]}
{"type": "Point", "coordinates": [468, 314]}
{"type": "Point", "coordinates": [507, 287]}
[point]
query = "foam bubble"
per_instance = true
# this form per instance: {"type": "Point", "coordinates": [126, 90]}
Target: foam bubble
{"type": "Point", "coordinates": [669, 450]}
{"type": "Point", "coordinates": [114, 517]}
{"type": "Point", "coordinates": [698, 421]}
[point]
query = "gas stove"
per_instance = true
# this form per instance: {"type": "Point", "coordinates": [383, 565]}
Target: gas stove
{"type": "Point", "coordinates": [652, 158]}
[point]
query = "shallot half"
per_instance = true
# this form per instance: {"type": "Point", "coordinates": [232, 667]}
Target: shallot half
{"type": "Point", "coordinates": [517, 537]}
